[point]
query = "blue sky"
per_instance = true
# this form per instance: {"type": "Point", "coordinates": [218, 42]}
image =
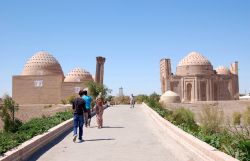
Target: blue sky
{"type": "Point", "coordinates": [133, 35]}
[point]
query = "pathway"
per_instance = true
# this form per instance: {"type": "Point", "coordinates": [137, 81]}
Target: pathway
{"type": "Point", "coordinates": [128, 135]}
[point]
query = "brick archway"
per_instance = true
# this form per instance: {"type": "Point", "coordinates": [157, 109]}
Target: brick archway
{"type": "Point", "coordinates": [189, 92]}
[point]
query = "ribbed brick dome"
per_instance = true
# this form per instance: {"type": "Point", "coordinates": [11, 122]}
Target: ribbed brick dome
{"type": "Point", "coordinates": [78, 75]}
{"type": "Point", "coordinates": [42, 63]}
{"type": "Point", "coordinates": [194, 64]}
{"type": "Point", "coordinates": [194, 58]}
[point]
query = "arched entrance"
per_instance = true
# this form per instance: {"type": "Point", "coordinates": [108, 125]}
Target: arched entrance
{"type": "Point", "coordinates": [203, 91]}
{"type": "Point", "coordinates": [189, 92]}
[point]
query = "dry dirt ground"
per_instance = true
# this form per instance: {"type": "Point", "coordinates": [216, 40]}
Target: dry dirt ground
{"type": "Point", "coordinates": [26, 112]}
{"type": "Point", "coordinates": [228, 107]}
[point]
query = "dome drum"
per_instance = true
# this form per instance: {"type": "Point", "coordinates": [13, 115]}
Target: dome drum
{"type": "Point", "coordinates": [194, 70]}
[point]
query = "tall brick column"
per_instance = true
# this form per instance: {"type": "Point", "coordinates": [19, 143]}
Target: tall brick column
{"type": "Point", "coordinates": [99, 69]}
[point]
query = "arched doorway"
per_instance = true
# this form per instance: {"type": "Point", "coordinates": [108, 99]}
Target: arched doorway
{"type": "Point", "coordinates": [189, 92]}
{"type": "Point", "coordinates": [203, 91]}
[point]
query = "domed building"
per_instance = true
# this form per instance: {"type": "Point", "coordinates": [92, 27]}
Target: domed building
{"type": "Point", "coordinates": [78, 75]}
{"type": "Point", "coordinates": [42, 80]}
{"type": "Point", "coordinates": [196, 80]}
{"type": "Point", "coordinates": [170, 97]}
{"type": "Point", "coordinates": [75, 80]}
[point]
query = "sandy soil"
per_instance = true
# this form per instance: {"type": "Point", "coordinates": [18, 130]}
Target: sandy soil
{"type": "Point", "coordinates": [26, 112]}
{"type": "Point", "coordinates": [228, 107]}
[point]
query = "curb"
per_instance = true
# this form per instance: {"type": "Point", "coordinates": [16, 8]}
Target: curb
{"type": "Point", "coordinates": [26, 149]}
{"type": "Point", "coordinates": [197, 146]}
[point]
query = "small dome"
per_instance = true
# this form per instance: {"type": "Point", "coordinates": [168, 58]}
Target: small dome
{"type": "Point", "coordinates": [170, 97]}
{"type": "Point", "coordinates": [78, 75]}
{"type": "Point", "coordinates": [42, 63]}
{"type": "Point", "coordinates": [194, 58]}
{"type": "Point", "coordinates": [222, 70]}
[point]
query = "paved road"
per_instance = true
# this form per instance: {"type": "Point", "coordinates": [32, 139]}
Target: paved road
{"type": "Point", "coordinates": [128, 135]}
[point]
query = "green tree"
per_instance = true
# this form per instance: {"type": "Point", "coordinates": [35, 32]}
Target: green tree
{"type": "Point", "coordinates": [95, 89]}
{"type": "Point", "coordinates": [141, 98]}
{"type": "Point", "coordinates": [155, 96]}
{"type": "Point", "coordinates": [7, 113]}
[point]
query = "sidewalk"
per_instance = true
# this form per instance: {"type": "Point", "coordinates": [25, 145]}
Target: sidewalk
{"type": "Point", "coordinates": [128, 135]}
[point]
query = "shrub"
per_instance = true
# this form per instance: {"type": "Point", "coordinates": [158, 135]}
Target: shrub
{"type": "Point", "coordinates": [237, 148]}
{"type": "Point", "coordinates": [155, 105]}
{"type": "Point", "coordinates": [155, 97]}
{"type": "Point", "coordinates": [210, 130]}
{"type": "Point", "coordinates": [141, 98]}
{"type": "Point", "coordinates": [122, 100]}
{"type": "Point", "coordinates": [236, 118]}
{"type": "Point", "coordinates": [211, 119]}
{"type": "Point", "coordinates": [240, 130]}
{"type": "Point", "coordinates": [71, 99]}
{"type": "Point", "coordinates": [7, 113]}
{"type": "Point", "coordinates": [30, 129]}
{"type": "Point", "coordinates": [246, 117]}
{"type": "Point", "coordinates": [64, 102]}
{"type": "Point", "coordinates": [184, 117]}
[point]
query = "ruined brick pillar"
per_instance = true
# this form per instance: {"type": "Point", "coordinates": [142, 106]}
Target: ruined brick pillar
{"type": "Point", "coordinates": [165, 73]}
{"type": "Point", "coordinates": [235, 80]}
{"type": "Point", "coordinates": [99, 74]}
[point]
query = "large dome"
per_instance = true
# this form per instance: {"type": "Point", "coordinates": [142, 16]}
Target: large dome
{"type": "Point", "coordinates": [222, 70]}
{"type": "Point", "coordinates": [194, 58]}
{"type": "Point", "coordinates": [78, 75]}
{"type": "Point", "coordinates": [42, 63]}
{"type": "Point", "coordinates": [194, 64]}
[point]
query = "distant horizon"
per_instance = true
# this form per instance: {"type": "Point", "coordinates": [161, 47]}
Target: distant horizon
{"type": "Point", "coordinates": [133, 36]}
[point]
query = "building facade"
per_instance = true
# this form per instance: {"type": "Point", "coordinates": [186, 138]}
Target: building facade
{"type": "Point", "coordinates": [42, 81]}
{"type": "Point", "coordinates": [196, 80]}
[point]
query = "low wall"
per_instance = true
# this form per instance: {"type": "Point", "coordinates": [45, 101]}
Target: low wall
{"type": "Point", "coordinates": [29, 147]}
{"type": "Point", "coordinates": [197, 146]}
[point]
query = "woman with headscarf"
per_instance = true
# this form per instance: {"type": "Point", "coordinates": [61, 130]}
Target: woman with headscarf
{"type": "Point", "coordinates": [99, 112]}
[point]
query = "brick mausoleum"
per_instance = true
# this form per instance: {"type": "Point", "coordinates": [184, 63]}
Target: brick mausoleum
{"type": "Point", "coordinates": [196, 80]}
{"type": "Point", "coordinates": [43, 82]}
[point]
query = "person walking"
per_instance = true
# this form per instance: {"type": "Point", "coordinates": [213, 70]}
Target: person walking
{"type": "Point", "coordinates": [78, 108]}
{"type": "Point", "coordinates": [87, 113]}
{"type": "Point", "coordinates": [132, 101]}
{"type": "Point", "coordinates": [99, 112]}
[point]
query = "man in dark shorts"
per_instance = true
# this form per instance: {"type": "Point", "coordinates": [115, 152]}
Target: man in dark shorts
{"type": "Point", "coordinates": [79, 106]}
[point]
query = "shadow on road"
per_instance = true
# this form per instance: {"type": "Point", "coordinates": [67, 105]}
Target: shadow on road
{"type": "Point", "coordinates": [100, 139]}
{"type": "Point", "coordinates": [112, 127]}
{"type": "Point", "coordinates": [44, 149]}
